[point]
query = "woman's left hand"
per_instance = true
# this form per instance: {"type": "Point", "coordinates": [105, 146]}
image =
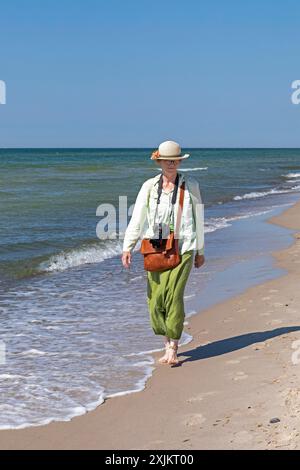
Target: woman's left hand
{"type": "Point", "coordinates": [199, 261]}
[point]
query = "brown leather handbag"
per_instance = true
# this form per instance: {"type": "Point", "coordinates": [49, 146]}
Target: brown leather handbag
{"type": "Point", "coordinates": [165, 256]}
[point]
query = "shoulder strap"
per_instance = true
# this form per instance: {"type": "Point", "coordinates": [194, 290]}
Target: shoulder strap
{"type": "Point", "coordinates": [160, 185]}
{"type": "Point", "coordinates": [180, 207]}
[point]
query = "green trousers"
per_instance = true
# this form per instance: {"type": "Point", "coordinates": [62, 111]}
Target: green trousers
{"type": "Point", "coordinates": [165, 292]}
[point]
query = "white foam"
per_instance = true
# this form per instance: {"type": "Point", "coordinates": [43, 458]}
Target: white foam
{"type": "Point", "coordinates": [218, 223]}
{"type": "Point", "coordinates": [186, 339]}
{"type": "Point", "coordinates": [10, 376]}
{"type": "Point", "coordinates": [136, 278]}
{"type": "Point", "coordinates": [32, 352]}
{"type": "Point", "coordinates": [81, 256]}
{"type": "Point", "coordinates": [143, 353]}
{"type": "Point", "coordinates": [195, 169]}
{"type": "Point", "coordinates": [292, 175]}
{"type": "Point", "coordinates": [200, 168]}
{"type": "Point", "coordinates": [191, 313]}
{"type": "Point", "coordinates": [76, 411]}
{"type": "Point", "coordinates": [17, 413]}
{"type": "Point", "coordinates": [181, 343]}
{"type": "Point", "coordinates": [189, 296]}
{"type": "Point", "coordinates": [140, 385]}
{"type": "Point", "coordinates": [266, 193]}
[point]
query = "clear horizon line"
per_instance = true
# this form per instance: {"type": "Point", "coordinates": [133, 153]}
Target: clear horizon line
{"type": "Point", "coordinates": [145, 148]}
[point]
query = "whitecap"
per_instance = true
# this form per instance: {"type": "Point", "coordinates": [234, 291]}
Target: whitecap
{"type": "Point", "coordinates": [77, 257]}
{"type": "Point", "coordinates": [10, 376]}
{"type": "Point", "coordinates": [194, 169]}
{"type": "Point", "coordinates": [292, 175]}
{"type": "Point", "coordinates": [32, 352]}
{"type": "Point", "coordinates": [265, 193]}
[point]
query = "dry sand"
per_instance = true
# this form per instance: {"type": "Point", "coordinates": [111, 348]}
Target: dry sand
{"type": "Point", "coordinates": [241, 370]}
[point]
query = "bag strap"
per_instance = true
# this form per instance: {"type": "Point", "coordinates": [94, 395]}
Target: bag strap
{"type": "Point", "coordinates": [174, 195]}
{"type": "Point", "coordinates": [180, 208]}
{"type": "Point", "coordinates": [159, 191]}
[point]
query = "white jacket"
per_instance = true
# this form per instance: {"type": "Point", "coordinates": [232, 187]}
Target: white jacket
{"type": "Point", "coordinates": [191, 231]}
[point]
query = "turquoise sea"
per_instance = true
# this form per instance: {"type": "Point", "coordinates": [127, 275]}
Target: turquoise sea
{"type": "Point", "coordinates": [74, 322]}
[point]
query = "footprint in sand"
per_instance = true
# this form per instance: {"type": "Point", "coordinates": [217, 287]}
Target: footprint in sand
{"type": "Point", "coordinates": [195, 419]}
{"type": "Point", "coordinates": [261, 345]}
{"type": "Point", "coordinates": [237, 361]}
{"type": "Point", "coordinates": [203, 332]}
{"type": "Point", "coordinates": [266, 298]}
{"type": "Point", "coordinates": [209, 394]}
{"type": "Point", "coordinates": [275, 322]}
{"type": "Point", "coordinates": [195, 399]}
{"type": "Point", "coordinates": [227, 320]}
{"type": "Point", "coordinates": [201, 396]}
{"type": "Point", "coordinates": [242, 437]}
{"type": "Point", "coordinates": [265, 314]}
{"type": "Point", "coordinates": [242, 310]}
{"type": "Point", "coordinates": [292, 401]}
{"type": "Point", "coordinates": [240, 376]}
{"type": "Point", "coordinates": [273, 290]}
{"type": "Point", "coordinates": [296, 354]}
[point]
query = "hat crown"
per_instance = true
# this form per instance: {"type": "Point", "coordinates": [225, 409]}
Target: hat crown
{"type": "Point", "coordinates": [169, 148]}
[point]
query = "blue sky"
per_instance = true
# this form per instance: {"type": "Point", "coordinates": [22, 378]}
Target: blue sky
{"type": "Point", "coordinates": [134, 73]}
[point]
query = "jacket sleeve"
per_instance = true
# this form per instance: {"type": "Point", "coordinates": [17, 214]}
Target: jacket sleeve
{"type": "Point", "coordinates": [198, 209]}
{"type": "Point", "coordinates": [138, 218]}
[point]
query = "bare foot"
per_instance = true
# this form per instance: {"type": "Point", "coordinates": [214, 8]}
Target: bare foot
{"type": "Point", "coordinates": [173, 354]}
{"type": "Point", "coordinates": [164, 359]}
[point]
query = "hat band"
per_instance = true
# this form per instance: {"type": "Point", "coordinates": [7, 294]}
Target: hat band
{"type": "Point", "coordinates": [170, 156]}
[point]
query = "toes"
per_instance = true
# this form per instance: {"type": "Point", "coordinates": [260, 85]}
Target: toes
{"type": "Point", "coordinates": [163, 359]}
{"type": "Point", "coordinates": [173, 360]}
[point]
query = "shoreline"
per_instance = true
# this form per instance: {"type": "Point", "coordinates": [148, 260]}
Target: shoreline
{"type": "Point", "coordinates": [218, 398]}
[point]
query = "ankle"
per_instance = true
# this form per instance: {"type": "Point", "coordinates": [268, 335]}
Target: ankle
{"type": "Point", "coordinates": [173, 345]}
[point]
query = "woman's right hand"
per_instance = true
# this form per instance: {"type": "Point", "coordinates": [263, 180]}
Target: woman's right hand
{"type": "Point", "coordinates": [126, 259]}
{"type": "Point", "coordinates": [199, 261]}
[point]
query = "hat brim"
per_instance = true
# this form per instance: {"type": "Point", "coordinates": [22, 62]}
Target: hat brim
{"type": "Point", "coordinates": [181, 157]}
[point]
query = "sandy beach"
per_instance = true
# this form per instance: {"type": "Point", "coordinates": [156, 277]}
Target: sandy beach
{"type": "Point", "coordinates": [237, 386]}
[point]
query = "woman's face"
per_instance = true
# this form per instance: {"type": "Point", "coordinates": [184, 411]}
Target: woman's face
{"type": "Point", "coordinates": [169, 167]}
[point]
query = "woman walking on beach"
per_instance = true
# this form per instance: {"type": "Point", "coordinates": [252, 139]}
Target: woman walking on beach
{"type": "Point", "coordinates": [164, 202]}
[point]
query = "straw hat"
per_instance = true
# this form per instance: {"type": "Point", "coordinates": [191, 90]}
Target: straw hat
{"type": "Point", "coordinates": [169, 150]}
